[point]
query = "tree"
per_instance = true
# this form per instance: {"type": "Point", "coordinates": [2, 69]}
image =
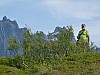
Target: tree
{"type": "Point", "coordinates": [65, 40]}
{"type": "Point", "coordinates": [26, 43]}
{"type": "Point", "coordinates": [13, 45]}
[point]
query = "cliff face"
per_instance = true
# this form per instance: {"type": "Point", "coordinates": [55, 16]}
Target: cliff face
{"type": "Point", "coordinates": [9, 29]}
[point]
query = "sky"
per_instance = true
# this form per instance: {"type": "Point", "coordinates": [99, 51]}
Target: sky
{"type": "Point", "coordinates": [45, 15]}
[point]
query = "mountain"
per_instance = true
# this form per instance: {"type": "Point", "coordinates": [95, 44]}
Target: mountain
{"type": "Point", "coordinates": [98, 49]}
{"type": "Point", "coordinates": [9, 29]}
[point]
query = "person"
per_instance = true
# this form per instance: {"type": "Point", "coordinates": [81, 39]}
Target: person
{"type": "Point", "coordinates": [83, 35]}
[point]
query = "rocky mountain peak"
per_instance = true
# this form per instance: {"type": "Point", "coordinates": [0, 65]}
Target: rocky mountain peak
{"type": "Point", "coordinates": [57, 29]}
{"type": "Point", "coordinates": [8, 23]}
{"type": "Point", "coordinates": [4, 18]}
{"type": "Point", "coordinates": [9, 29]}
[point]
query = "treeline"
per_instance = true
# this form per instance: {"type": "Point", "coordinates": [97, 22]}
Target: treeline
{"type": "Point", "coordinates": [38, 50]}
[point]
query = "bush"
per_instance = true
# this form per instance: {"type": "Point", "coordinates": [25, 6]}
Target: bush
{"type": "Point", "coordinates": [16, 62]}
{"type": "Point", "coordinates": [4, 61]}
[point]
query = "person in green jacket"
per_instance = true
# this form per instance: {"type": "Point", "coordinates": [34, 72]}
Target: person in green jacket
{"type": "Point", "coordinates": [83, 35]}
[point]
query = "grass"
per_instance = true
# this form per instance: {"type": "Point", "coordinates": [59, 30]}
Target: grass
{"type": "Point", "coordinates": [6, 70]}
{"type": "Point", "coordinates": [78, 64]}
{"type": "Point", "coordinates": [81, 64]}
{"type": "Point", "coordinates": [87, 63]}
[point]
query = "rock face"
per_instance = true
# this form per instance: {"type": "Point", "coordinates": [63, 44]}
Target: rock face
{"type": "Point", "coordinates": [9, 29]}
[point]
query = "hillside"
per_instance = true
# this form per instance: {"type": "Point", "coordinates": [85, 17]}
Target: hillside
{"type": "Point", "coordinates": [73, 64]}
{"type": "Point", "coordinates": [6, 70]}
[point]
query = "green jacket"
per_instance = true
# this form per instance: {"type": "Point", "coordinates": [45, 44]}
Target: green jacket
{"type": "Point", "coordinates": [83, 35]}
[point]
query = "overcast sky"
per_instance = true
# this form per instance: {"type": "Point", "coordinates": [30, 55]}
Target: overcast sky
{"type": "Point", "coordinates": [45, 15]}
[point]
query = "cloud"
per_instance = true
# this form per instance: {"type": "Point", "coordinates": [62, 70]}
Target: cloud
{"type": "Point", "coordinates": [80, 9]}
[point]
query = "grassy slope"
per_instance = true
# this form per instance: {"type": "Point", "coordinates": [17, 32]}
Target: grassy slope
{"type": "Point", "coordinates": [6, 70]}
{"type": "Point", "coordinates": [74, 64]}
{"type": "Point", "coordinates": [83, 64]}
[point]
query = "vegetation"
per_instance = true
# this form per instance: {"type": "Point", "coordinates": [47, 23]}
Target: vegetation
{"type": "Point", "coordinates": [6, 70]}
{"type": "Point", "coordinates": [13, 46]}
{"type": "Point", "coordinates": [52, 57]}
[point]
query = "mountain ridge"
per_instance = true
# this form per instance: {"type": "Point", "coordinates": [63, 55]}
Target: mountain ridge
{"type": "Point", "coordinates": [9, 29]}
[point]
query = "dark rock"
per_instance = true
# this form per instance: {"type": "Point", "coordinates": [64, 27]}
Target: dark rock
{"type": "Point", "coordinates": [4, 18]}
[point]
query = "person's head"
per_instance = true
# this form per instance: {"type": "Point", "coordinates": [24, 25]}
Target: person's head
{"type": "Point", "coordinates": [83, 26]}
